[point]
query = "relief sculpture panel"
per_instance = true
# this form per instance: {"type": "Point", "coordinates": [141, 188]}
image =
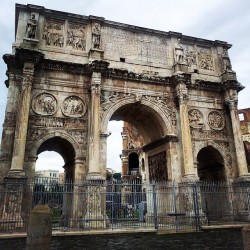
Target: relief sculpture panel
{"type": "Point", "coordinates": [205, 59]}
{"type": "Point", "coordinates": [53, 33]}
{"type": "Point", "coordinates": [157, 167]}
{"type": "Point", "coordinates": [216, 120]}
{"type": "Point", "coordinates": [76, 37]}
{"type": "Point", "coordinates": [44, 104]}
{"type": "Point", "coordinates": [195, 118]}
{"type": "Point", "coordinates": [74, 106]}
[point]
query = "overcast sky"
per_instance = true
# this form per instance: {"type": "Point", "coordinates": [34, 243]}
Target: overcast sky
{"type": "Point", "coordinates": [225, 20]}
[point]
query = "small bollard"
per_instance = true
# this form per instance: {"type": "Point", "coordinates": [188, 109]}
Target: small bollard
{"type": "Point", "coordinates": [39, 228]}
{"type": "Point", "coordinates": [246, 237]}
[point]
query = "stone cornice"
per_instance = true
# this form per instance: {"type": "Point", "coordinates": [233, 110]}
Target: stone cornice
{"type": "Point", "coordinates": [183, 78]}
{"type": "Point", "coordinates": [123, 74]}
{"type": "Point", "coordinates": [157, 143]}
{"type": "Point", "coordinates": [99, 66]}
{"type": "Point", "coordinates": [66, 67]}
{"type": "Point", "coordinates": [207, 85]}
{"type": "Point", "coordinates": [29, 56]}
{"type": "Point", "coordinates": [232, 84]}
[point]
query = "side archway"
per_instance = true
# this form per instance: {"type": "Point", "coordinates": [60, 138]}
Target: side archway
{"type": "Point", "coordinates": [61, 143]}
{"type": "Point", "coordinates": [222, 156]}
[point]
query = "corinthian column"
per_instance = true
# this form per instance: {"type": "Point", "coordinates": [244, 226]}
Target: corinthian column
{"type": "Point", "coordinates": [231, 99]}
{"type": "Point", "coordinates": [22, 121]}
{"type": "Point", "coordinates": [182, 95]}
{"type": "Point", "coordinates": [94, 127]}
{"type": "Point", "coordinates": [29, 59]}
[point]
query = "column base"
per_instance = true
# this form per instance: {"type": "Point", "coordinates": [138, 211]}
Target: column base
{"type": "Point", "coordinates": [189, 178]}
{"type": "Point", "coordinates": [16, 173]}
{"type": "Point", "coordinates": [94, 176]}
{"type": "Point", "coordinates": [243, 178]}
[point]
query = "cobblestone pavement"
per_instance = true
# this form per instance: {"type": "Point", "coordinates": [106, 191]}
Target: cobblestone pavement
{"type": "Point", "coordinates": [215, 240]}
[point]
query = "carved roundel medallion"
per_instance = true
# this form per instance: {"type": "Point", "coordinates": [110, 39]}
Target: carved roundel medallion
{"type": "Point", "coordinates": [216, 120]}
{"type": "Point", "coordinates": [74, 106]}
{"type": "Point", "coordinates": [195, 118]}
{"type": "Point", "coordinates": [44, 104]}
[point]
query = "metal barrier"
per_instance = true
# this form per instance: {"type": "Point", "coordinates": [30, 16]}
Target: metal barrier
{"type": "Point", "coordinates": [91, 205]}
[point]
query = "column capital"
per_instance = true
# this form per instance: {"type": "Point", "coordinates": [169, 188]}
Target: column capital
{"type": "Point", "coordinates": [181, 93]}
{"type": "Point", "coordinates": [99, 66]}
{"type": "Point", "coordinates": [95, 83]}
{"type": "Point", "coordinates": [231, 98]}
{"type": "Point", "coordinates": [180, 82]}
{"type": "Point", "coordinates": [29, 56]}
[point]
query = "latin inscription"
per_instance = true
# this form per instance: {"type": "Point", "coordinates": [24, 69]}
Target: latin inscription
{"type": "Point", "coordinates": [120, 43]}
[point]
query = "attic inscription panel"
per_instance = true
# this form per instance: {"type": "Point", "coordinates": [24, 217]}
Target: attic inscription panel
{"type": "Point", "coordinates": [120, 43]}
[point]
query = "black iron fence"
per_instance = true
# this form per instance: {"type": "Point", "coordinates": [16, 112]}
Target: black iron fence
{"type": "Point", "coordinates": [119, 205]}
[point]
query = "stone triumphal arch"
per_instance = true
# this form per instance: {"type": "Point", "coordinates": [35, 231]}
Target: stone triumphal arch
{"type": "Point", "coordinates": [69, 75]}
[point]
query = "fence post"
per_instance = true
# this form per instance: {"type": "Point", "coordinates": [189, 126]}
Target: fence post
{"type": "Point", "coordinates": [155, 206]}
{"type": "Point", "coordinates": [196, 208]}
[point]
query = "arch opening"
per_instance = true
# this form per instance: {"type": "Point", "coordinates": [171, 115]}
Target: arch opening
{"type": "Point", "coordinates": [133, 163]}
{"type": "Point", "coordinates": [145, 119]}
{"type": "Point", "coordinates": [210, 165]}
{"type": "Point", "coordinates": [65, 149]}
{"type": "Point", "coordinates": [211, 169]}
{"type": "Point", "coordinates": [142, 137]}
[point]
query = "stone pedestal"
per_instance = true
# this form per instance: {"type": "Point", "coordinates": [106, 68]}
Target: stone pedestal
{"type": "Point", "coordinates": [12, 208]}
{"type": "Point", "coordinates": [246, 237]}
{"type": "Point", "coordinates": [180, 68]}
{"type": "Point", "coordinates": [96, 205]}
{"type": "Point", "coordinates": [39, 228]}
{"type": "Point", "coordinates": [241, 189]}
{"type": "Point", "coordinates": [96, 54]}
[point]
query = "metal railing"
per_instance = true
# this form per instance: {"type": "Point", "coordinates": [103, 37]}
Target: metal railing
{"type": "Point", "coordinates": [86, 205]}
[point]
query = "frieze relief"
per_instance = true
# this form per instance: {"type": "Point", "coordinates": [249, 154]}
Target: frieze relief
{"type": "Point", "coordinates": [44, 104]}
{"type": "Point", "coordinates": [53, 33]}
{"type": "Point", "coordinates": [216, 120]}
{"type": "Point", "coordinates": [76, 37]}
{"type": "Point", "coordinates": [205, 60]}
{"type": "Point", "coordinates": [195, 118]}
{"type": "Point", "coordinates": [56, 122]}
{"type": "Point", "coordinates": [209, 134]}
{"type": "Point", "coordinates": [73, 106]}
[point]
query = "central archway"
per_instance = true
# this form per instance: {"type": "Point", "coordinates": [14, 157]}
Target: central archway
{"type": "Point", "coordinates": [153, 125]}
